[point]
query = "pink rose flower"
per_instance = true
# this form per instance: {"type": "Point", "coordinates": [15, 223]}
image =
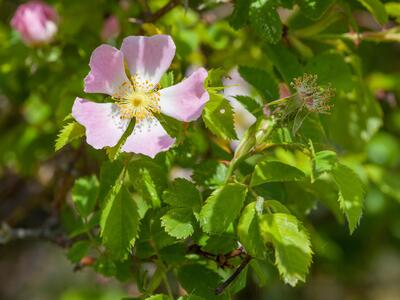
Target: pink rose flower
{"type": "Point", "coordinates": [36, 22]}
{"type": "Point", "coordinates": [147, 59]}
{"type": "Point", "coordinates": [111, 28]}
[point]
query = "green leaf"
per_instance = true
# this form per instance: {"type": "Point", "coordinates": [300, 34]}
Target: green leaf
{"type": "Point", "coordinates": [215, 216]}
{"type": "Point", "coordinates": [167, 79]}
{"type": "Point", "coordinates": [210, 173]}
{"type": "Point", "coordinates": [275, 171]}
{"type": "Point", "coordinates": [109, 174]}
{"type": "Point", "coordinates": [376, 8]}
{"type": "Point", "coordinates": [159, 297]}
{"type": "Point", "coordinates": [78, 251]}
{"type": "Point", "coordinates": [214, 77]}
{"type": "Point", "coordinates": [285, 61]}
{"type": "Point", "coordinates": [393, 9]}
{"type": "Point", "coordinates": [240, 14]}
{"type": "Point", "coordinates": [68, 133]}
{"type": "Point", "coordinates": [248, 230]}
{"type": "Point", "coordinates": [172, 126]}
{"type": "Point", "coordinates": [84, 194]}
{"type": "Point", "coordinates": [183, 193]}
{"type": "Point", "coordinates": [199, 280]}
{"type": "Point", "coordinates": [250, 104]}
{"type": "Point", "coordinates": [218, 117]}
{"type": "Point", "coordinates": [314, 9]}
{"type": "Point", "coordinates": [262, 81]}
{"type": "Point", "coordinates": [265, 20]}
{"type": "Point", "coordinates": [178, 222]}
{"type": "Point", "coordinates": [323, 161]}
{"type": "Point", "coordinates": [291, 243]}
{"type": "Point", "coordinates": [351, 194]}
{"type": "Point", "coordinates": [119, 222]}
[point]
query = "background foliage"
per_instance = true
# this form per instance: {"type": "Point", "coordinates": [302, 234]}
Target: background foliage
{"type": "Point", "coordinates": [319, 204]}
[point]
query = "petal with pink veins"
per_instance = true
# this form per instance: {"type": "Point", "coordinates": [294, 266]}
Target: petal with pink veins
{"type": "Point", "coordinates": [107, 72]}
{"type": "Point", "coordinates": [148, 57]}
{"type": "Point", "coordinates": [185, 100]}
{"type": "Point", "coordinates": [148, 138]}
{"type": "Point", "coordinates": [102, 121]}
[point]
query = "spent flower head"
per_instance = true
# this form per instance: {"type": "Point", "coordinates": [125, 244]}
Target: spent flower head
{"type": "Point", "coordinates": [313, 97]}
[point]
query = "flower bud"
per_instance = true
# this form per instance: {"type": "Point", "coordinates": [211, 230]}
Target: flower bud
{"type": "Point", "coordinates": [36, 22]}
{"type": "Point", "coordinates": [111, 28]}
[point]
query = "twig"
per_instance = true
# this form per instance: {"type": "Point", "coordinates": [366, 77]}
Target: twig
{"type": "Point", "coordinates": [162, 11]}
{"type": "Point", "coordinates": [220, 289]}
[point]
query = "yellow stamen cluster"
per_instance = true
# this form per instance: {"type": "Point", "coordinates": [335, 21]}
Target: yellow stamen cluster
{"type": "Point", "coordinates": [138, 98]}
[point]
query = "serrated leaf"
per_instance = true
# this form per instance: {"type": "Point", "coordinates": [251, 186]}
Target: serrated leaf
{"type": "Point", "coordinates": [167, 79]}
{"type": "Point", "coordinates": [119, 222]}
{"type": "Point", "coordinates": [250, 104]}
{"type": "Point", "coordinates": [262, 81]}
{"type": "Point", "coordinates": [210, 173]}
{"type": "Point", "coordinates": [351, 194]}
{"type": "Point", "coordinates": [78, 251]}
{"type": "Point", "coordinates": [377, 9]}
{"type": "Point", "coordinates": [199, 280]}
{"type": "Point", "coordinates": [240, 14]}
{"type": "Point", "coordinates": [84, 194]}
{"type": "Point", "coordinates": [218, 117]}
{"type": "Point", "coordinates": [248, 230]}
{"type": "Point", "coordinates": [215, 216]}
{"type": "Point", "coordinates": [275, 171]}
{"type": "Point", "coordinates": [292, 245]}
{"type": "Point", "coordinates": [178, 222]}
{"type": "Point", "coordinates": [265, 20]}
{"type": "Point", "coordinates": [285, 61]}
{"type": "Point", "coordinates": [314, 9]}
{"type": "Point", "coordinates": [323, 161]}
{"type": "Point", "coordinates": [109, 174]}
{"type": "Point", "coordinates": [214, 77]}
{"type": "Point", "coordinates": [183, 193]}
{"type": "Point", "coordinates": [68, 133]}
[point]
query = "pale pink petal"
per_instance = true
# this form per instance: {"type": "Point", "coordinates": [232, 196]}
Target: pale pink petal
{"type": "Point", "coordinates": [148, 138]}
{"type": "Point", "coordinates": [102, 121]}
{"type": "Point", "coordinates": [148, 57]}
{"type": "Point", "coordinates": [185, 100]}
{"type": "Point", "coordinates": [107, 72]}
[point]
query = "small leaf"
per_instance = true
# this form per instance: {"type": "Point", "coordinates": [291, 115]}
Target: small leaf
{"type": "Point", "coordinates": [262, 81]}
{"type": "Point", "coordinates": [323, 161]}
{"type": "Point", "coordinates": [250, 104]}
{"type": "Point", "coordinates": [292, 245]}
{"type": "Point", "coordinates": [210, 173]}
{"type": "Point", "coordinates": [68, 133]}
{"type": "Point", "coordinates": [275, 171]}
{"type": "Point", "coordinates": [240, 14]}
{"type": "Point", "coordinates": [84, 194]}
{"type": "Point", "coordinates": [351, 194]}
{"type": "Point", "coordinates": [183, 193]}
{"type": "Point", "coordinates": [109, 174]}
{"type": "Point", "coordinates": [265, 20]}
{"type": "Point", "coordinates": [167, 79]}
{"type": "Point", "coordinates": [199, 280]}
{"type": "Point", "coordinates": [218, 117]}
{"type": "Point", "coordinates": [119, 222]}
{"type": "Point", "coordinates": [249, 232]}
{"type": "Point", "coordinates": [78, 251]}
{"type": "Point", "coordinates": [178, 222]}
{"type": "Point", "coordinates": [376, 8]}
{"type": "Point", "coordinates": [215, 216]}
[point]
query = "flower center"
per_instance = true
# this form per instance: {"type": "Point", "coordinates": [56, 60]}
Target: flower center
{"type": "Point", "coordinates": [137, 99]}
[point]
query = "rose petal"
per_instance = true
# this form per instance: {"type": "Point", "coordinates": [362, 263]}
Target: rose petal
{"type": "Point", "coordinates": [148, 138]}
{"type": "Point", "coordinates": [107, 72]}
{"type": "Point", "coordinates": [185, 101]}
{"type": "Point", "coordinates": [102, 121]}
{"type": "Point", "coordinates": [148, 57]}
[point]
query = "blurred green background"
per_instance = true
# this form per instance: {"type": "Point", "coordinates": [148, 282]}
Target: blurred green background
{"type": "Point", "coordinates": [39, 84]}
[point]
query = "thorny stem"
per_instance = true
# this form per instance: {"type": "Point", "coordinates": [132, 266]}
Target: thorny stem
{"type": "Point", "coordinates": [220, 289]}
